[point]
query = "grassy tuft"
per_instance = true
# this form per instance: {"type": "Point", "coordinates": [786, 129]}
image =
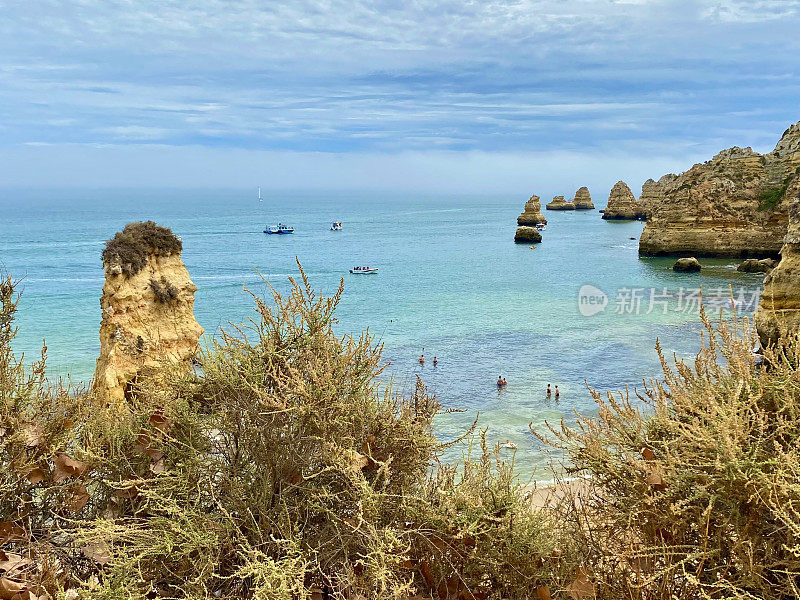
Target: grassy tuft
{"type": "Point", "coordinates": [130, 247]}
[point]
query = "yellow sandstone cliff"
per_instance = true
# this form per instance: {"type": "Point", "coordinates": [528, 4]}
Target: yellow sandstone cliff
{"type": "Point", "coordinates": [733, 205]}
{"type": "Point", "coordinates": [147, 309]}
{"type": "Point", "coordinates": [779, 310]}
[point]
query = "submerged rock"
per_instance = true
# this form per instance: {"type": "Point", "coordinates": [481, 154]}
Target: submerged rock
{"type": "Point", "coordinates": [559, 203]}
{"type": "Point", "coordinates": [779, 310]}
{"type": "Point", "coordinates": [532, 213]}
{"type": "Point", "coordinates": [622, 204]}
{"type": "Point", "coordinates": [583, 199]}
{"type": "Point", "coordinates": [687, 265]}
{"type": "Point", "coordinates": [734, 205]}
{"type": "Point", "coordinates": [147, 309]}
{"type": "Point", "coordinates": [528, 235]}
{"type": "Point", "coordinates": [754, 265]}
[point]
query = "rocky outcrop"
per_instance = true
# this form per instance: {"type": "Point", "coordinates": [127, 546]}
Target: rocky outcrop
{"type": "Point", "coordinates": [779, 310]}
{"type": "Point", "coordinates": [532, 213]}
{"type": "Point", "coordinates": [687, 265]}
{"type": "Point", "coordinates": [147, 309]}
{"type": "Point", "coordinates": [734, 205]}
{"type": "Point", "coordinates": [622, 204]}
{"type": "Point", "coordinates": [652, 193]}
{"type": "Point", "coordinates": [528, 235]}
{"type": "Point", "coordinates": [559, 203]}
{"type": "Point", "coordinates": [583, 199]}
{"type": "Point", "coordinates": [754, 265]}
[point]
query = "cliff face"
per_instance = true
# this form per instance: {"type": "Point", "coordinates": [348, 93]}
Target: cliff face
{"type": "Point", "coordinates": [779, 308]}
{"type": "Point", "coordinates": [583, 199]}
{"type": "Point", "coordinates": [559, 203]}
{"type": "Point", "coordinates": [734, 205]}
{"type": "Point", "coordinates": [622, 204]}
{"type": "Point", "coordinates": [652, 193]}
{"type": "Point", "coordinates": [532, 213]}
{"type": "Point", "coordinates": [148, 310]}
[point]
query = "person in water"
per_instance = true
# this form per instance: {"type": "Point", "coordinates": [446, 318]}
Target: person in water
{"type": "Point", "coordinates": [557, 392]}
{"type": "Point", "coordinates": [435, 361]}
{"type": "Point", "coordinates": [499, 381]}
{"type": "Point", "coordinates": [422, 359]}
{"type": "Point", "coordinates": [549, 391]}
{"type": "Point", "coordinates": [505, 383]}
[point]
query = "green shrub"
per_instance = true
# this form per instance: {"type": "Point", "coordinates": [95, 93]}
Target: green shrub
{"type": "Point", "coordinates": [695, 490]}
{"type": "Point", "coordinates": [130, 247]}
{"type": "Point", "coordinates": [281, 469]}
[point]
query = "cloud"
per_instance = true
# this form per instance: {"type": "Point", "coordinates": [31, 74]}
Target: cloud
{"type": "Point", "coordinates": [391, 77]}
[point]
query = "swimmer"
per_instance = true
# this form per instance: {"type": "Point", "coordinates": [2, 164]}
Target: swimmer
{"type": "Point", "coordinates": [422, 359]}
{"type": "Point", "coordinates": [557, 392]}
{"type": "Point", "coordinates": [549, 391]}
{"type": "Point", "coordinates": [435, 361]}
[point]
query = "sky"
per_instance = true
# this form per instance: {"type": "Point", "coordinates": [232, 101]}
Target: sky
{"type": "Point", "coordinates": [459, 96]}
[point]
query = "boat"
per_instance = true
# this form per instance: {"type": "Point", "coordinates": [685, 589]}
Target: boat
{"type": "Point", "coordinates": [260, 199]}
{"type": "Point", "coordinates": [336, 226]}
{"type": "Point", "coordinates": [541, 226]}
{"type": "Point", "coordinates": [279, 228]}
{"type": "Point", "coordinates": [363, 270]}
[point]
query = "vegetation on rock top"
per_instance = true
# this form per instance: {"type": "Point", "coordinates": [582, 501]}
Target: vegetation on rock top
{"type": "Point", "coordinates": [130, 247]}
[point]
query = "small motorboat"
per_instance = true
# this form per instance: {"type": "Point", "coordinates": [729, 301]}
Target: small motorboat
{"type": "Point", "coordinates": [541, 226]}
{"type": "Point", "coordinates": [336, 226]}
{"type": "Point", "coordinates": [279, 228]}
{"type": "Point", "coordinates": [363, 270]}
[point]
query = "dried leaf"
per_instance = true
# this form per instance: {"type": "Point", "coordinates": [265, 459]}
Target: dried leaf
{"type": "Point", "coordinates": [427, 574]}
{"type": "Point", "coordinates": [35, 475]}
{"type": "Point", "coordinates": [10, 588]}
{"type": "Point", "coordinates": [316, 593]}
{"type": "Point", "coordinates": [543, 593]}
{"type": "Point", "coordinates": [359, 462]}
{"type": "Point", "coordinates": [159, 420]}
{"type": "Point", "coordinates": [33, 434]}
{"type": "Point", "coordinates": [97, 551]}
{"type": "Point", "coordinates": [655, 480]}
{"type": "Point", "coordinates": [582, 586]}
{"type": "Point", "coordinates": [648, 454]}
{"type": "Point", "coordinates": [13, 563]}
{"type": "Point", "coordinates": [11, 533]}
{"type": "Point", "coordinates": [76, 498]}
{"type": "Point", "coordinates": [65, 467]}
{"type": "Point", "coordinates": [157, 466]}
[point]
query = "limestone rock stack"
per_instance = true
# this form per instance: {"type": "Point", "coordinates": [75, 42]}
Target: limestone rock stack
{"type": "Point", "coordinates": [779, 309]}
{"type": "Point", "coordinates": [532, 213]}
{"type": "Point", "coordinates": [734, 205]}
{"type": "Point", "coordinates": [622, 204]}
{"type": "Point", "coordinates": [559, 203]}
{"type": "Point", "coordinates": [583, 199]}
{"type": "Point", "coordinates": [147, 309]}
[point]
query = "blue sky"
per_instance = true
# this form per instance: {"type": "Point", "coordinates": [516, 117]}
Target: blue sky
{"type": "Point", "coordinates": [416, 94]}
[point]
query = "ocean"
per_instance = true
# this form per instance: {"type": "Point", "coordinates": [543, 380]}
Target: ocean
{"type": "Point", "coordinates": [452, 284]}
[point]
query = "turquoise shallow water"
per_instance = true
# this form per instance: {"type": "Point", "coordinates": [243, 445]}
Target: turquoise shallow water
{"type": "Point", "coordinates": [451, 282]}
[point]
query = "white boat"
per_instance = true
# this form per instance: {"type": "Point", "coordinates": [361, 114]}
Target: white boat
{"type": "Point", "coordinates": [260, 199]}
{"type": "Point", "coordinates": [336, 226]}
{"type": "Point", "coordinates": [363, 270]}
{"type": "Point", "coordinates": [279, 228]}
{"type": "Point", "coordinates": [541, 226]}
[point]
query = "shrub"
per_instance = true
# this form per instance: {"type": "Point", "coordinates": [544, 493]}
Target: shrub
{"type": "Point", "coordinates": [163, 290]}
{"type": "Point", "coordinates": [130, 247]}
{"type": "Point", "coordinates": [281, 469]}
{"type": "Point", "coordinates": [694, 492]}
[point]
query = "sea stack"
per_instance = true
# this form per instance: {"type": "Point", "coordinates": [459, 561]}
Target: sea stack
{"type": "Point", "coordinates": [734, 205]}
{"type": "Point", "coordinates": [532, 213]}
{"type": "Point", "coordinates": [779, 309]}
{"type": "Point", "coordinates": [528, 235]}
{"type": "Point", "coordinates": [147, 309]}
{"type": "Point", "coordinates": [622, 204]}
{"type": "Point", "coordinates": [583, 199]}
{"type": "Point", "coordinates": [559, 203]}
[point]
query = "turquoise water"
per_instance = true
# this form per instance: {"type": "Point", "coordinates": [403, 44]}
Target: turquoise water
{"type": "Point", "coordinates": [452, 284]}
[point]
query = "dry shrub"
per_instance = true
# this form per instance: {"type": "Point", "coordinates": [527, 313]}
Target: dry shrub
{"type": "Point", "coordinates": [694, 492]}
{"type": "Point", "coordinates": [130, 247]}
{"type": "Point", "coordinates": [163, 290]}
{"type": "Point", "coordinates": [280, 469]}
